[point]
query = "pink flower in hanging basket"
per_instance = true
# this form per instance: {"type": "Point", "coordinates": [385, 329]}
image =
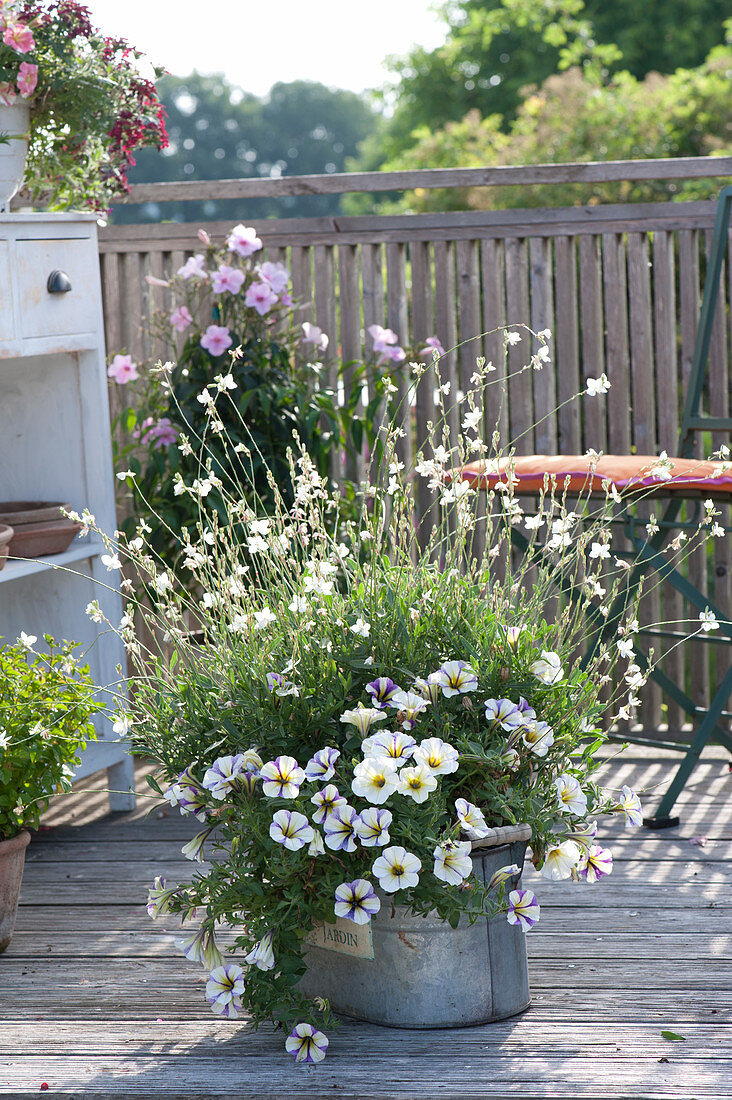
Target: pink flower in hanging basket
{"type": "Point", "coordinates": [19, 37]}
{"type": "Point", "coordinates": [27, 78]}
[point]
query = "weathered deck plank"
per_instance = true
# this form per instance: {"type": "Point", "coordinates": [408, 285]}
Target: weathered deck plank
{"type": "Point", "coordinates": [97, 1002]}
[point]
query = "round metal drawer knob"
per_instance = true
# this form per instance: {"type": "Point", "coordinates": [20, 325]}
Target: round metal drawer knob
{"type": "Point", "coordinates": [58, 282]}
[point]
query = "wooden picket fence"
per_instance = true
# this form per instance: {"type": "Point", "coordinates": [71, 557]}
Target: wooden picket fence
{"type": "Point", "coordinates": [618, 285]}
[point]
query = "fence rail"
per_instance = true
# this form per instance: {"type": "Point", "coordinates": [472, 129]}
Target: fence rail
{"type": "Point", "coordinates": [618, 285]}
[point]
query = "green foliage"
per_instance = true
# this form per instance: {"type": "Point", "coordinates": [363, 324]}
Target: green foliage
{"type": "Point", "coordinates": [46, 703]}
{"type": "Point", "coordinates": [217, 131]}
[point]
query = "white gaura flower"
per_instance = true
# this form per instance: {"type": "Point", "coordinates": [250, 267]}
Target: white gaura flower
{"type": "Point", "coordinates": [595, 862]}
{"type": "Point", "coordinates": [523, 909]}
{"type": "Point", "coordinates": [571, 797]}
{"type": "Point", "coordinates": [340, 829]}
{"type": "Point", "coordinates": [708, 620]}
{"type": "Point", "coordinates": [503, 874]}
{"type": "Point", "coordinates": [111, 561]}
{"type": "Point", "coordinates": [471, 819]}
{"type": "Point", "coordinates": [298, 605]}
{"type": "Point", "coordinates": [452, 862]}
{"type": "Point", "coordinates": [561, 860]}
{"type": "Point", "coordinates": [224, 990]}
{"type": "Point", "coordinates": [291, 829]}
{"type": "Point", "coordinates": [396, 869]}
{"type": "Point", "coordinates": [417, 783]}
{"type": "Point", "coordinates": [200, 947]}
{"type": "Point", "coordinates": [264, 618]}
{"type": "Point", "coordinates": [538, 737]}
{"type": "Point", "coordinates": [306, 1043]}
{"type": "Point", "coordinates": [372, 828]}
{"type": "Point", "coordinates": [375, 779]}
{"type": "Point", "coordinates": [398, 747]}
{"type": "Point", "coordinates": [328, 801]}
{"type": "Point", "coordinates": [361, 629]}
{"type": "Point", "coordinates": [548, 668]}
{"type": "Point", "coordinates": [436, 755]}
{"type": "Point", "coordinates": [363, 718]}
{"type": "Point", "coordinates": [356, 901]}
{"type": "Point", "coordinates": [282, 778]}
{"type": "Point", "coordinates": [597, 386]}
{"type": "Point", "coordinates": [455, 678]}
{"type": "Point", "coordinates": [630, 805]}
{"type": "Point", "coordinates": [29, 640]}
{"type": "Point", "coordinates": [262, 955]}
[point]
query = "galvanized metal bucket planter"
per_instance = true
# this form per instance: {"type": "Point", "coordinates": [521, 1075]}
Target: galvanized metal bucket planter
{"type": "Point", "coordinates": [418, 972]}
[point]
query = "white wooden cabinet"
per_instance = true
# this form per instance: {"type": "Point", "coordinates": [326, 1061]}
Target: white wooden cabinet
{"type": "Point", "coordinates": [55, 445]}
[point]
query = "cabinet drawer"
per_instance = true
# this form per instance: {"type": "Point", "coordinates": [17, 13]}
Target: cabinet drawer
{"type": "Point", "coordinates": [45, 314]}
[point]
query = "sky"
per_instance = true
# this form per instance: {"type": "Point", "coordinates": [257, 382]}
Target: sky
{"type": "Point", "coordinates": [256, 43]}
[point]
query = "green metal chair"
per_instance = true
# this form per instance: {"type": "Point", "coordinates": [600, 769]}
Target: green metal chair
{"type": "Point", "coordinates": [646, 552]}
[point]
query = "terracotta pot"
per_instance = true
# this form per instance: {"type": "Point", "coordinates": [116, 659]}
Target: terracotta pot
{"type": "Point", "coordinates": [33, 540]}
{"type": "Point", "coordinates": [6, 534]}
{"type": "Point", "coordinates": [17, 512]}
{"type": "Point", "coordinates": [12, 858]}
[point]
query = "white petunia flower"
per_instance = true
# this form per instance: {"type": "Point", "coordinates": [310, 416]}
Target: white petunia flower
{"type": "Point", "coordinates": [396, 869]}
{"type": "Point", "coordinates": [306, 1044]}
{"type": "Point", "coordinates": [436, 755]}
{"type": "Point", "coordinates": [523, 909]}
{"type": "Point", "coordinates": [360, 628]}
{"type": "Point", "coordinates": [571, 797]}
{"type": "Point", "coordinates": [452, 862]}
{"type": "Point", "coordinates": [548, 668]}
{"type": "Point", "coordinates": [398, 747]}
{"type": "Point", "coordinates": [561, 860]}
{"type": "Point", "coordinates": [471, 819]}
{"type": "Point", "coordinates": [282, 778]}
{"type": "Point", "coordinates": [363, 718]}
{"type": "Point", "coordinates": [375, 779]}
{"type": "Point", "coordinates": [417, 783]}
{"type": "Point", "coordinates": [224, 990]}
{"type": "Point", "coordinates": [262, 955]}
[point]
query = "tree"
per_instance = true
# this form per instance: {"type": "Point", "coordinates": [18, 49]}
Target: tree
{"type": "Point", "coordinates": [217, 131]}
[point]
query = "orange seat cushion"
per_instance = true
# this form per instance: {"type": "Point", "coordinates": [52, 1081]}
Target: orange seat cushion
{"type": "Point", "coordinates": [626, 472]}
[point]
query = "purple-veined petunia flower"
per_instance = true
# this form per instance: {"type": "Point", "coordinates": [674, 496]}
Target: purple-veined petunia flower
{"type": "Point", "coordinates": [471, 819]}
{"type": "Point", "coordinates": [396, 869]}
{"type": "Point", "coordinates": [539, 737]}
{"type": "Point", "coordinates": [356, 901]}
{"type": "Point", "coordinates": [200, 947]}
{"type": "Point", "coordinates": [630, 805]}
{"type": "Point", "coordinates": [375, 779]}
{"type": "Point", "coordinates": [513, 635]}
{"type": "Point", "coordinates": [503, 874]}
{"type": "Point", "coordinates": [429, 689]}
{"type": "Point", "coordinates": [452, 862]}
{"type": "Point", "coordinates": [224, 774]}
{"type": "Point", "coordinates": [282, 778]}
{"type": "Point", "coordinates": [278, 685]}
{"type": "Point", "coordinates": [560, 860]}
{"type": "Point", "coordinates": [398, 747]}
{"type": "Point", "coordinates": [261, 297]}
{"type": "Point", "coordinates": [595, 863]}
{"type": "Point", "coordinates": [181, 318]}
{"type": "Point", "coordinates": [570, 796]}
{"type": "Point", "coordinates": [194, 848]}
{"type": "Point", "coordinates": [321, 766]}
{"type": "Point", "coordinates": [523, 909]}
{"type": "Point", "coordinates": [437, 755]}
{"type": "Point", "coordinates": [455, 678]}
{"type": "Point", "coordinates": [243, 240]}
{"type": "Point", "coordinates": [382, 690]}
{"type": "Point", "coordinates": [216, 340]}
{"type": "Point", "coordinates": [504, 713]}
{"type": "Point", "coordinates": [363, 718]}
{"type": "Point", "coordinates": [306, 1043]}
{"type": "Point", "coordinates": [409, 706]}
{"type": "Point", "coordinates": [194, 267]}
{"type": "Point", "coordinates": [188, 795]}
{"type": "Point", "coordinates": [548, 667]}
{"type": "Point", "coordinates": [417, 783]}
{"type": "Point", "coordinates": [328, 802]}
{"type": "Point", "coordinates": [372, 827]}
{"type": "Point", "coordinates": [224, 990]}
{"type": "Point", "coordinates": [275, 275]}
{"type": "Point", "coordinates": [316, 846]}
{"type": "Point", "coordinates": [585, 834]}
{"type": "Point", "coordinates": [340, 829]}
{"type": "Point", "coordinates": [227, 280]}
{"type": "Point", "coordinates": [291, 829]}
{"type": "Point", "coordinates": [159, 897]}
{"type": "Point", "coordinates": [262, 955]}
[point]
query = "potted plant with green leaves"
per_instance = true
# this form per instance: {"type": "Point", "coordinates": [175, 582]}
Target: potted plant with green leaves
{"type": "Point", "coordinates": [46, 704]}
{"type": "Point", "coordinates": [74, 106]}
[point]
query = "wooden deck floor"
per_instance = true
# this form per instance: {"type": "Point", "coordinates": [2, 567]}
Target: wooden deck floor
{"type": "Point", "coordinates": [95, 1001]}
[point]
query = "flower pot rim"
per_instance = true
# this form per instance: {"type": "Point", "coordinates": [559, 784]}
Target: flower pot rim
{"type": "Point", "coordinates": [502, 834]}
{"type": "Point", "coordinates": [12, 844]}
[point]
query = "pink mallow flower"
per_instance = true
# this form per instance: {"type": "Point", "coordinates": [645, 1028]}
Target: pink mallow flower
{"type": "Point", "coordinates": [243, 240]}
{"type": "Point", "coordinates": [19, 37]}
{"type": "Point", "coordinates": [27, 78]}
{"type": "Point", "coordinates": [181, 318]}
{"type": "Point", "coordinates": [122, 369]}
{"type": "Point", "coordinates": [227, 280]}
{"type": "Point", "coordinates": [160, 433]}
{"type": "Point", "coordinates": [261, 297]}
{"type": "Point", "coordinates": [216, 339]}
{"type": "Point", "coordinates": [275, 274]}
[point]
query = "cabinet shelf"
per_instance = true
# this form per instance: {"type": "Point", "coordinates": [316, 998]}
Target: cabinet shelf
{"type": "Point", "coordinates": [14, 570]}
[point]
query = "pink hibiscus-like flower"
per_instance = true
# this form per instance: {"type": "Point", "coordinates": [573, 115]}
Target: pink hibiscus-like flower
{"type": "Point", "coordinates": [432, 344]}
{"type": "Point", "coordinates": [227, 279]}
{"type": "Point", "coordinates": [261, 297]}
{"type": "Point", "coordinates": [160, 434]}
{"type": "Point", "coordinates": [243, 240]}
{"type": "Point", "coordinates": [275, 274]}
{"type": "Point", "coordinates": [19, 37]}
{"type": "Point", "coordinates": [123, 370]}
{"type": "Point", "coordinates": [216, 339]}
{"type": "Point", "coordinates": [194, 267]}
{"type": "Point", "coordinates": [181, 318]}
{"type": "Point", "coordinates": [311, 334]}
{"type": "Point", "coordinates": [8, 94]}
{"type": "Point", "coordinates": [27, 78]}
